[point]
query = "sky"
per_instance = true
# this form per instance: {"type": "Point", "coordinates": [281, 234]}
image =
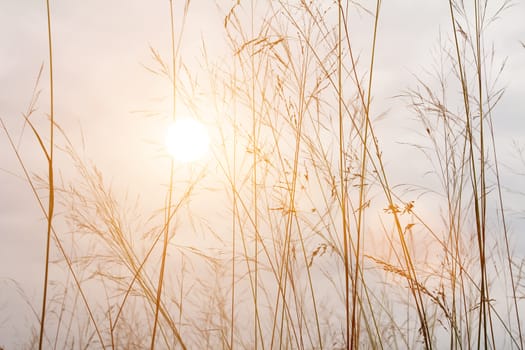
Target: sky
{"type": "Point", "coordinates": [104, 94]}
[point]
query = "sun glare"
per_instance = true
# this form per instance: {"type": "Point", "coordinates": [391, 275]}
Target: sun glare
{"type": "Point", "coordinates": [187, 140]}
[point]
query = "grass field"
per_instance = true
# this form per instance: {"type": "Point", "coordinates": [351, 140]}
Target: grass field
{"type": "Point", "coordinates": [344, 198]}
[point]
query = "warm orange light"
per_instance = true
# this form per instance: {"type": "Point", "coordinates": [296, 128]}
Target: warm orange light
{"type": "Point", "coordinates": [187, 140]}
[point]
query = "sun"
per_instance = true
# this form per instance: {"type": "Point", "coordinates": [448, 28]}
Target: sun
{"type": "Point", "coordinates": [187, 140]}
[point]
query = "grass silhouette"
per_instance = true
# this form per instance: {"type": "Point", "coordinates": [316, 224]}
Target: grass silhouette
{"type": "Point", "coordinates": [304, 242]}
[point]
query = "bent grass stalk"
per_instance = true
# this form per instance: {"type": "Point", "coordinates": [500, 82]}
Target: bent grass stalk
{"type": "Point", "coordinates": [170, 186]}
{"type": "Point", "coordinates": [49, 155]}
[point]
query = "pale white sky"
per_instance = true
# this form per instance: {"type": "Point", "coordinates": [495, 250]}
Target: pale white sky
{"type": "Point", "coordinates": [99, 49]}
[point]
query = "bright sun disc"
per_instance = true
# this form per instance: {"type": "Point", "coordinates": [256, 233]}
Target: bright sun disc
{"type": "Point", "coordinates": [187, 140]}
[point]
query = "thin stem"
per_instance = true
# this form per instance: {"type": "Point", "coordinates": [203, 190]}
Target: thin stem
{"type": "Point", "coordinates": [51, 202]}
{"type": "Point", "coordinates": [254, 189]}
{"type": "Point", "coordinates": [341, 168]}
{"type": "Point", "coordinates": [361, 208]}
{"type": "Point", "coordinates": [163, 261]}
{"type": "Point", "coordinates": [170, 189]}
{"type": "Point", "coordinates": [234, 209]}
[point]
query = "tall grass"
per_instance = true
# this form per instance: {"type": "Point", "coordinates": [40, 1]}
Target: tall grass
{"type": "Point", "coordinates": [49, 155]}
{"type": "Point", "coordinates": [292, 233]}
{"type": "Point", "coordinates": [170, 186]}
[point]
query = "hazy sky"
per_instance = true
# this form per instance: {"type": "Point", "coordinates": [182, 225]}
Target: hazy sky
{"type": "Point", "coordinates": [100, 48]}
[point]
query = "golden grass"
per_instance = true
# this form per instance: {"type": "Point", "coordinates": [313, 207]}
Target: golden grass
{"type": "Point", "coordinates": [312, 246]}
